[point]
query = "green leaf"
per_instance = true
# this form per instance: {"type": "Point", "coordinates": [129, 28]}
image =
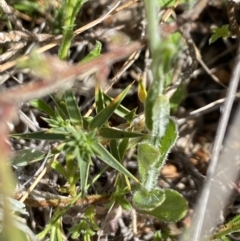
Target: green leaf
{"type": "Point", "coordinates": [29, 7]}
{"type": "Point", "coordinates": [61, 106]}
{"type": "Point", "coordinates": [158, 236]}
{"type": "Point", "coordinates": [27, 157]}
{"type": "Point", "coordinates": [111, 133]}
{"type": "Point", "coordinates": [173, 208]}
{"type": "Point", "coordinates": [42, 106]}
{"type": "Point", "coordinates": [148, 155]}
{"type": "Point", "coordinates": [123, 145]}
{"type": "Point", "coordinates": [160, 118]}
{"type": "Point", "coordinates": [84, 166]}
{"type": "Point", "coordinates": [130, 116]}
{"type": "Point", "coordinates": [114, 149]}
{"type": "Point", "coordinates": [59, 168]}
{"type": "Point", "coordinates": [99, 100]}
{"type": "Point", "coordinates": [147, 200]}
{"type": "Point", "coordinates": [232, 226]}
{"type": "Point", "coordinates": [121, 110]}
{"type": "Point", "coordinates": [101, 118]}
{"type": "Point", "coordinates": [224, 238]}
{"type": "Point", "coordinates": [222, 32]}
{"type": "Point", "coordinates": [73, 109]}
{"type": "Point", "coordinates": [124, 203]}
{"type": "Point", "coordinates": [106, 157]}
{"type": "Point", "coordinates": [167, 141]}
{"type": "Point", "coordinates": [177, 97]}
{"type": "Point", "coordinates": [95, 52]}
{"type": "Point", "coordinates": [41, 135]}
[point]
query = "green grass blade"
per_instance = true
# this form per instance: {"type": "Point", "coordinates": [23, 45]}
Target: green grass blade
{"type": "Point", "coordinates": [106, 157]}
{"type": "Point", "coordinates": [121, 110]}
{"type": "Point", "coordinates": [123, 145]}
{"type": "Point", "coordinates": [73, 109]}
{"type": "Point", "coordinates": [111, 133]}
{"type": "Point", "coordinates": [41, 135]}
{"type": "Point", "coordinates": [101, 118]}
{"type": "Point", "coordinates": [42, 106]}
{"type": "Point", "coordinates": [95, 52]}
{"type": "Point", "coordinates": [61, 107]}
{"type": "Point", "coordinates": [99, 100]}
{"type": "Point", "coordinates": [59, 168]}
{"type": "Point", "coordinates": [114, 149]}
{"type": "Point", "coordinates": [84, 166]}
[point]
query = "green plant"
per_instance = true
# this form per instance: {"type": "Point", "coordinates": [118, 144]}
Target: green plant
{"type": "Point", "coordinates": [222, 32]}
{"type": "Point", "coordinates": [232, 226]}
{"type": "Point", "coordinates": [71, 8]}
{"type": "Point", "coordinates": [80, 139]}
{"type": "Point", "coordinates": [153, 151]}
{"type": "Point", "coordinates": [83, 139]}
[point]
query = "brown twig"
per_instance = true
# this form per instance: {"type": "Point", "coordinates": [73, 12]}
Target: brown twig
{"type": "Point", "coordinates": [62, 201]}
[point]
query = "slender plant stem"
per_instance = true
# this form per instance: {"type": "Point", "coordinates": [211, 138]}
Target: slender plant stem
{"type": "Point", "coordinates": [71, 8]}
{"type": "Point", "coordinates": [152, 8]}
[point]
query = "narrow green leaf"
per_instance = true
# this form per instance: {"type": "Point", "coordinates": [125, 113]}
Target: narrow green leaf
{"type": "Point", "coordinates": [232, 226]}
{"type": "Point", "coordinates": [173, 208]}
{"type": "Point", "coordinates": [41, 135]}
{"type": "Point", "coordinates": [152, 95]}
{"type": "Point", "coordinates": [148, 200]}
{"type": "Point", "coordinates": [61, 106]}
{"type": "Point", "coordinates": [177, 97]}
{"type": "Point", "coordinates": [95, 52]}
{"type": "Point", "coordinates": [160, 118]}
{"type": "Point", "coordinates": [106, 157]}
{"type": "Point", "coordinates": [101, 118]}
{"type": "Point", "coordinates": [222, 32]}
{"type": "Point", "coordinates": [26, 157]}
{"type": "Point", "coordinates": [121, 110]}
{"type": "Point", "coordinates": [130, 116]}
{"type": "Point", "coordinates": [224, 238]}
{"type": "Point", "coordinates": [58, 233]}
{"type": "Point", "coordinates": [124, 203]}
{"type": "Point", "coordinates": [42, 106]}
{"type": "Point", "coordinates": [84, 166]}
{"type": "Point", "coordinates": [59, 168]}
{"type": "Point", "coordinates": [111, 133]}
{"type": "Point", "coordinates": [114, 149]}
{"type": "Point", "coordinates": [158, 236]}
{"type": "Point", "coordinates": [148, 155]}
{"type": "Point", "coordinates": [73, 109]}
{"type": "Point", "coordinates": [99, 100]}
{"type": "Point", "coordinates": [123, 145]}
{"type": "Point", "coordinates": [167, 141]}
{"type": "Point", "coordinates": [53, 233]}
